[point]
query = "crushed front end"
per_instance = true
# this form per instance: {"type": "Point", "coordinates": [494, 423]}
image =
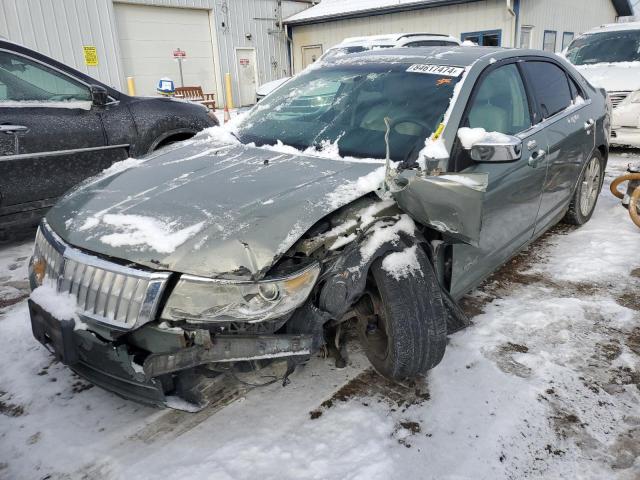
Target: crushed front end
{"type": "Point", "coordinates": [148, 336]}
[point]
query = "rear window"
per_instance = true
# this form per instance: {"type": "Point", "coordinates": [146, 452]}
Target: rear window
{"type": "Point", "coordinates": [550, 87]}
{"type": "Point", "coordinates": [431, 43]}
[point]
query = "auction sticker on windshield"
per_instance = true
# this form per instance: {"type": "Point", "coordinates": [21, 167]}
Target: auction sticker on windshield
{"type": "Point", "coordinates": [445, 70]}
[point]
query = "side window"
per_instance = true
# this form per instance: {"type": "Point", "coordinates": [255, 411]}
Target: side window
{"type": "Point", "coordinates": [550, 87]}
{"type": "Point", "coordinates": [25, 80]}
{"type": "Point", "coordinates": [576, 91]}
{"type": "Point", "coordinates": [500, 103]}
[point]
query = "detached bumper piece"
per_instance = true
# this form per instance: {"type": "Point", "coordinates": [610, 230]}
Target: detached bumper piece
{"type": "Point", "coordinates": [111, 365]}
{"type": "Point", "coordinates": [229, 349]}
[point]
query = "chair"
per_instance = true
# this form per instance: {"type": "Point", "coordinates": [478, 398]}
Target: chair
{"type": "Point", "coordinates": [194, 94]}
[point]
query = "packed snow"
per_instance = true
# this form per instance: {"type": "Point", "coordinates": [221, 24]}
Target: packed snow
{"type": "Point", "coordinates": [471, 136]}
{"type": "Point", "coordinates": [349, 191]}
{"type": "Point", "coordinates": [402, 264]}
{"type": "Point", "coordinates": [147, 232]}
{"type": "Point", "coordinates": [60, 305]}
{"type": "Point", "coordinates": [543, 385]}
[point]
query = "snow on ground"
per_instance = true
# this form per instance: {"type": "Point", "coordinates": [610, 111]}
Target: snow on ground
{"type": "Point", "coordinates": [544, 384]}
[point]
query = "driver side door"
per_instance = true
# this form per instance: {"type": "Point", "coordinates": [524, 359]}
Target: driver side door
{"type": "Point", "coordinates": [51, 136]}
{"type": "Point", "coordinates": [500, 103]}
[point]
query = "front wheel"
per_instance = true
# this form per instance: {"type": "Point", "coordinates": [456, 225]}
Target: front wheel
{"type": "Point", "coordinates": [402, 320]}
{"type": "Point", "coordinates": [585, 197]}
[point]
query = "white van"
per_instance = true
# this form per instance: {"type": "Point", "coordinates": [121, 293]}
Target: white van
{"type": "Point", "coordinates": [609, 57]}
{"type": "Point", "coordinates": [360, 44]}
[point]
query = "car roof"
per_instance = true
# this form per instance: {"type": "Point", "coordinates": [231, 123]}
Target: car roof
{"type": "Point", "coordinates": [388, 38]}
{"type": "Point", "coordinates": [450, 55]}
{"type": "Point", "coordinates": [613, 27]}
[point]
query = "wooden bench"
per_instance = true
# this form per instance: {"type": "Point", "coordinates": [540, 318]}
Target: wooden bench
{"type": "Point", "coordinates": [194, 94]}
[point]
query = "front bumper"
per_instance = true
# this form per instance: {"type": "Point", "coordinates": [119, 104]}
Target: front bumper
{"type": "Point", "coordinates": [625, 125]}
{"type": "Point", "coordinates": [150, 378]}
{"type": "Point", "coordinates": [625, 136]}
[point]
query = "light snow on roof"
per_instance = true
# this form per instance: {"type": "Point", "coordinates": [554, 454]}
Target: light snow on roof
{"type": "Point", "coordinates": [330, 8]}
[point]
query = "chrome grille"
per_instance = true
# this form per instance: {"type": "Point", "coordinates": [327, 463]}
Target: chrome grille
{"type": "Point", "coordinates": [618, 97]}
{"type": "Point", "coordinates": [106, 292]}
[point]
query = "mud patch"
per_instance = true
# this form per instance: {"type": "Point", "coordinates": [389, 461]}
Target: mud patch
{"type": "Point", "coordinates": [630, 299]}
{"type": "Point", "coordinates": [404, 430]}
{"type": "Point", "coordinates": [10, 409]}
{"type": "Point", "coordinates": [372, 387]}
{"type": "Point", "coordinates": [503, 358]}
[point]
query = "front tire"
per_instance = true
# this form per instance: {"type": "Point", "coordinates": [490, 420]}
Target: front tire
{"type": "Point", "coordinates": [402, 322]}
{"type": "Point", "coordinates": [585, 197]}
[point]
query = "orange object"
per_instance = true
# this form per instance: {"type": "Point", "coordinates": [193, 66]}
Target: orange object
{"type": "Point", "coordinates": [634, 199]}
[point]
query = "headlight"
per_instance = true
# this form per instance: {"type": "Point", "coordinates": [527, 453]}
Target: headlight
{"type": "Point", "coordinates": [197, 299]}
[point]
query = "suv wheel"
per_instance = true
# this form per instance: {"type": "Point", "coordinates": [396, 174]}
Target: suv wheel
{"type": "Point", "coordinates": [402, 322]}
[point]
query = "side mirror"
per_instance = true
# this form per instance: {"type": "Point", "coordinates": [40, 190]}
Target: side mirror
{"type": "Point", "coordinates": [501, 148]}
{"type": "Point", "coordinates": [99, 95]}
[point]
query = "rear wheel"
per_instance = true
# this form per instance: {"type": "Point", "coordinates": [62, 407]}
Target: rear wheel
{"type": "Point", "coordinates": [585, 197]}
{"type": "Point", "coordinates": [402, 322]}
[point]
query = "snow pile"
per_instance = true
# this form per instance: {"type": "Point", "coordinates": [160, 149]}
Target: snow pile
{"type": "Point", "coordinates": [71, 104]}
{"type": "Point", "coordinates": [59, 304]}
{"type": "Point", "coordinates": [351, 191]}
{"type": "Point", "coordinates": [470, 136]}
{"type": "Point", "coordinates": [469, 43]}
{"type": "Point", "coordinates": [153, 233]}
{"type": "Point", "coordinates": [384, 232]}
{"type": "Point", "coordinates": [402, 264]}
{"type": "Point", "coordinates": [120, 167]}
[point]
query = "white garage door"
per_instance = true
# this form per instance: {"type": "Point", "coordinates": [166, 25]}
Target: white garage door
{"type": "Point", "coordinates": [149, 35]}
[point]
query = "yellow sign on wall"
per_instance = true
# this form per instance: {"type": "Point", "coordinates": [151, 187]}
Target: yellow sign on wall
{"type": "Point", "coordinates": [90, 55]}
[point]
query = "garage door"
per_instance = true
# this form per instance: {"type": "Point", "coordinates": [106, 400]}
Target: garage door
{"type": "Point", "coordinates": [149, 35]}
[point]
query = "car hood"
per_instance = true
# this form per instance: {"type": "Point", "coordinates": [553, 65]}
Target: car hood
{"type": "Point", "coordinates": [613, 77]}
{"type": "Point", "coordinates": [209, 209]}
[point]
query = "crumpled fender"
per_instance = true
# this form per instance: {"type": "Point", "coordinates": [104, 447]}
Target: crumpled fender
{"type": "Point", "coordinates": [345, 280]}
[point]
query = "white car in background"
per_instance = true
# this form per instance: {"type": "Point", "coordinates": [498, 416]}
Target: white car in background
{"type": "Point", "coordinates": [609, 57]}
{"type": "Point", "coordinates": [371, 42]}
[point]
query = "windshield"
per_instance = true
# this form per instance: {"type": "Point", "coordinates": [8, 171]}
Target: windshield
{"type": "Point", "coordinates": [605, 47]}
{"type": "Point", "coordinates": [346, 105]}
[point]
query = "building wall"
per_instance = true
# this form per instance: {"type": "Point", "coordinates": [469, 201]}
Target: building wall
{"type": "Point", "coordinates": [453, 20]}
{"type": "Point", "coordinates": [575, 16]}
{"type": "Point", "coordinates": [234, 19]}
{"type": "Point", "coordinates": [60, 28]}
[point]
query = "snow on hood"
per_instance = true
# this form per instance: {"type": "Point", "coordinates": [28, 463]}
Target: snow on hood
{"type": "Point", "coordinates": [613, 77]}
{"type": "Point", "coordinates": [210, 209]}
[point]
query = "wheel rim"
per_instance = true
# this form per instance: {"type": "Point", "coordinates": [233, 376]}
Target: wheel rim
{"type": "Point", "coordinates": [590, 186]}
{"type": "Point", "coordinates": [372, 325]}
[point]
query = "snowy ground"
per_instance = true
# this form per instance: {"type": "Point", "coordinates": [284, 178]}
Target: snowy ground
{"type": "Point", "coordinates": [545, 384]}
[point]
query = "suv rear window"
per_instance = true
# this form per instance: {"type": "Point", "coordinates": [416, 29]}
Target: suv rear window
{"type": "Point", "coordinates": [550, 86]}
{"type": "Point", "coordinates": [431, 43]}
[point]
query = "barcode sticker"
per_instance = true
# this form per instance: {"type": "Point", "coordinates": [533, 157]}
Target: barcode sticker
{"type": "Point", "coordinates": [441, 70]}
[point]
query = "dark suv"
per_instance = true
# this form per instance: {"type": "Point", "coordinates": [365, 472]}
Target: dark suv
{"type": "Point", "coordinates": [59, 126]}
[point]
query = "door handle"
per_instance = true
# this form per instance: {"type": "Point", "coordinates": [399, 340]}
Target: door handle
{"type": "Point", "coordinates": [536, 158]}
{"type": "Point", "coordinates": [17, 131]}
{"type": "Point", "coordinates": [11, 129]}
{"type": "Point", "coordinates": [588, 125]}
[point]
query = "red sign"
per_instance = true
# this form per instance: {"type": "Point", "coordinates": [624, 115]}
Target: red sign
{"type": "Point", "coordinates": [179, 53]}
{"type": "Point", "coordinates": [244, 62]}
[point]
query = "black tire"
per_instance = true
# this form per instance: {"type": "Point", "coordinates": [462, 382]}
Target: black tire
{"type": "Point", "coordinates": [403, 323]}
{"type": "Point", "coordinates": [578, 213]}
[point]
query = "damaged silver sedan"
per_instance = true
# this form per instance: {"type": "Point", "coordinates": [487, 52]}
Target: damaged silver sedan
{"type": "Point", "coordinates": [372, 190]}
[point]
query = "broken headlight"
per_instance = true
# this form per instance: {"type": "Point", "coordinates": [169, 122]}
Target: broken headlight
{"type": "Point", "coordinates": [197, 299]}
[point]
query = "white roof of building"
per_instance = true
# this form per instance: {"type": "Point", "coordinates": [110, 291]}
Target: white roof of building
{"type": "Point", "coordinates": [329, 9]}
{"type": "Point", "coordinates": [339, 8]}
